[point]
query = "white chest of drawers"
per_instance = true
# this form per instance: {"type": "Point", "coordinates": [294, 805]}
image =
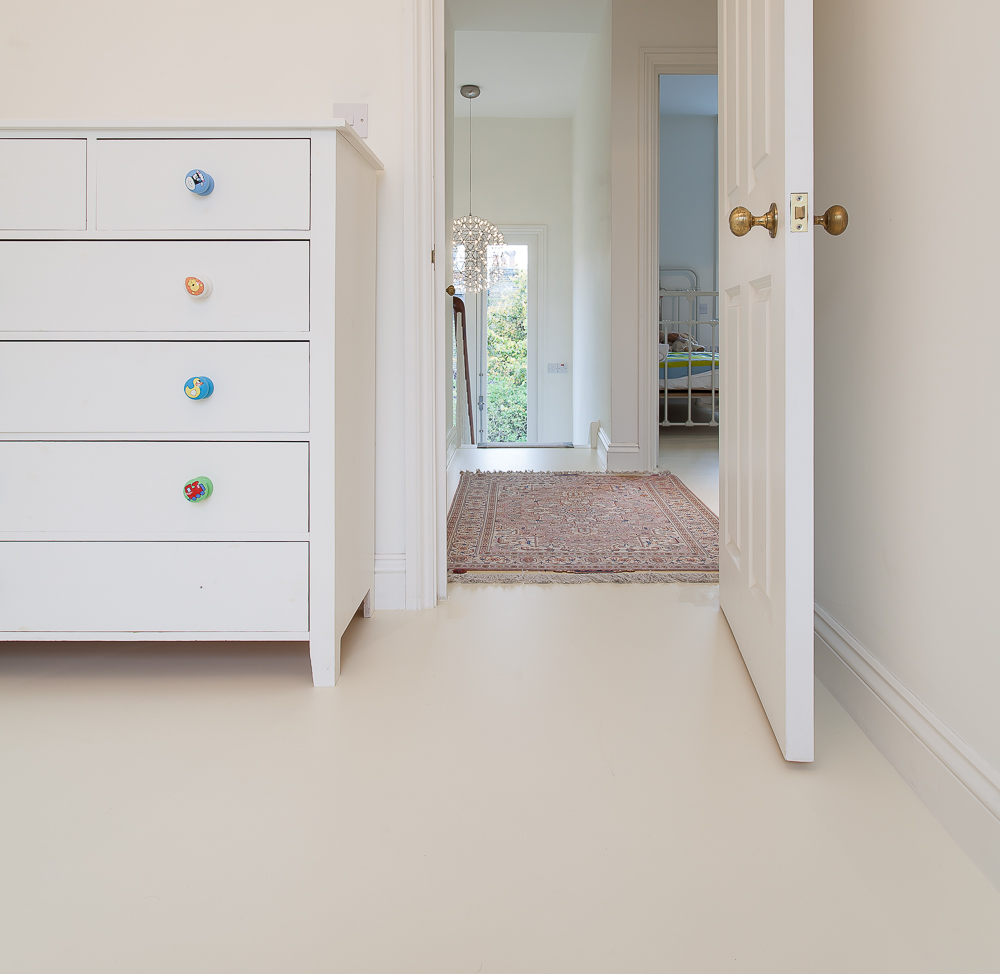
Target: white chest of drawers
{"type": "Point", "coordinates": [99, 334]}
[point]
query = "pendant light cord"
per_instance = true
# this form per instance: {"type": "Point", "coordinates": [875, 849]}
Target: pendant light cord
{"type": "Point", "coordinates": [470, 157]}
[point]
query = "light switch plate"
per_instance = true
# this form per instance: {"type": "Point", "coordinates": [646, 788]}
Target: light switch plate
{"type": "Point", "coordinates": [555, 367]}
{"type": "Point", "coordinates": [356, 115]}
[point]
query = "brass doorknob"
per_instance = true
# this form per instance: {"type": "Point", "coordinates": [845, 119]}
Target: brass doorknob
{"type": "Point", "coordinates": [450, 289]}
{"type": "Point", "coordinates": [742, 221]}
{"type": "Point", "coordinates": [834, 221]}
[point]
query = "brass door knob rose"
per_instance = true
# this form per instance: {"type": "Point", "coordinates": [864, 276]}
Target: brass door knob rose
{"type": "Point", "coordinates": [742, 221]}
{"type": "Point", "coordinates": [834, 221]}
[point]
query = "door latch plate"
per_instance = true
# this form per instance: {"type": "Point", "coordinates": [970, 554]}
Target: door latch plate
{"type": "Point", "coordinates": [798, 215]}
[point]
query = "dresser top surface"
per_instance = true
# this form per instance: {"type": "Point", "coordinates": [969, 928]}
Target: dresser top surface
{"type": "Point", "coordinates": [179, 128]}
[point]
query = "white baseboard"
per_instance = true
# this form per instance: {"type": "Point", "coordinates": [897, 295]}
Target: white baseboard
{"type": "Point", "coordinates": [955, 783]}
{"type": "Point", "coordinates": [390, 582]}
{"type": "Point", "coordinates": [623, 457]}
{"type": "Point", "coordinates": [603, 444]}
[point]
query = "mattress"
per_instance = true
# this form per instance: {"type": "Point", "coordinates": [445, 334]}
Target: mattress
{"type": "Point", "coordinates": [683, 370]}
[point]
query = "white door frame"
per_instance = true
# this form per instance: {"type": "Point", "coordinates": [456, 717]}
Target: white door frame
{"type": "Point", "coordinates": [425, 307]}
{"type": "Point", "coordinates": [655, 61]}
{"type": "Point", "coordinates": [535, 236]}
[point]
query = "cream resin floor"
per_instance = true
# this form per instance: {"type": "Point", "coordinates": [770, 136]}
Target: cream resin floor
{"type": "Point", "coordinates": [547, 779]}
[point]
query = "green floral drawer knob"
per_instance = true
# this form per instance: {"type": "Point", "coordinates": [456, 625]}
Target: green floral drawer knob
{"type": "Point", "coordinates": [198, 489]}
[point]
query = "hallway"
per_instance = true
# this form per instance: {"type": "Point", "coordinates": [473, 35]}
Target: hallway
{"type": "Point", "coordinates": [540, 778]}
{"type": "Point", "coordinates": [690, 453]}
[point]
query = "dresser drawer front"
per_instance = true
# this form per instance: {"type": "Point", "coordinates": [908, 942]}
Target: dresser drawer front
{"type": "Point", "coordinates": [77, 286]}
{"type": "Point", "coordinates": [138, 387]}
{"type": "Point", "coordinates": [136, 490]}
{"type": "Point", "coordinates": [260, 184]}
{"type": "Point", "coordinates": [43, 184]}
{"type": "Point", "coordinates": [169, 586]}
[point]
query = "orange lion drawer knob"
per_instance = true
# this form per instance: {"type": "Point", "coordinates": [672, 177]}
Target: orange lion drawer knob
{"type": "Point", "coordinates": [198, 287]}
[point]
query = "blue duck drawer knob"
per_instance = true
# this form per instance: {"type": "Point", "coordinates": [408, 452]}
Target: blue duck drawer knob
{"type": "Point", "coordinates": [199, 182]}
{"type": "Point", "coordinates": [199, 387]}
{"type": "Point", "coordinates": [198, 489]}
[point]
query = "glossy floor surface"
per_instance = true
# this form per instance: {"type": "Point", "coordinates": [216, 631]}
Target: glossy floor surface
{"type": "Point", "coordinates": [539, 778]}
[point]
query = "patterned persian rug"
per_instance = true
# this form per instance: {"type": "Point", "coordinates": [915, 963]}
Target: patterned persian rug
{"type": "Point", "coordinates": [580, 527]}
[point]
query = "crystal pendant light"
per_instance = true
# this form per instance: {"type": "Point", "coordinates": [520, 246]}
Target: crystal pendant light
{"type": "Point", "coordinates": [475, 269]}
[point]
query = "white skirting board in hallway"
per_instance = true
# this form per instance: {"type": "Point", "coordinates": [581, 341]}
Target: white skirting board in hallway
{"type": "Point", "coordinates": [958, 786]}
{"type": "Point", "coordinates": [390, 581]}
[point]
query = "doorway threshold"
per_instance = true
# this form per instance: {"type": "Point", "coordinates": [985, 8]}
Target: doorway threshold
{"type": "Point", "coordinates": [525, 446]}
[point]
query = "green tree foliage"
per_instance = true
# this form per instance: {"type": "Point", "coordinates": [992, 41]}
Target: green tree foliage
{"type": "Point", "coordinates": [507, 357]}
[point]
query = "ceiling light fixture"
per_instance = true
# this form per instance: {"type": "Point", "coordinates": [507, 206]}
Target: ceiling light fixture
{"type": "Point", "coordinates": [474, 268]}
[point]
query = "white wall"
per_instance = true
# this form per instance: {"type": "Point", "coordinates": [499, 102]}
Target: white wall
{"type": "Point", "coordinates": [591, 181]}
{"type": "Point", "coordinates": [636, 25]}
{"type": "Point", "coordinates": [688, 195]}
{"type": "Point", "coordinates": [117, 59]}
{"type": "Point", "coordinates": [521, 172]}
{"type": "Point", "coordinates": [907, 466]}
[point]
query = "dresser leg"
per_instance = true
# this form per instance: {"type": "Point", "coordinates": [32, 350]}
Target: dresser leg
{"type": "Point", "coordinates": [324, 655]}
{"type": "Point", "coordinates": [367, 604]}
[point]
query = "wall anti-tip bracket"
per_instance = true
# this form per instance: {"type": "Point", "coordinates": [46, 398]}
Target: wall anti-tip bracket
{"type": "Point", "coordinates": [355, 114]}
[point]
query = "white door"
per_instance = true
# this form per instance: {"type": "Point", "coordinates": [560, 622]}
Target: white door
{"type": "Point", "coordinates": [766, 297]}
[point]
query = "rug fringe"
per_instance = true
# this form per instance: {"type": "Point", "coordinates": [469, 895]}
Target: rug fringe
{"type": "Point", "coordinates": [576, 578]}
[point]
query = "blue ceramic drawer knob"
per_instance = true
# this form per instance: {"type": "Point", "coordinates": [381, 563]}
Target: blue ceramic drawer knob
{"type": "Point", "coordinates": [199, 182]}
{"type": "Point", "coordinates": [198, 489]}
{"type": "Point", "coordinates": [199, 387]}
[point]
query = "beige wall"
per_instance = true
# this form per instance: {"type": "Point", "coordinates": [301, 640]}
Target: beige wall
{"type": "Point", "coordinates": [521, 173]}
{"type": "Point", "coordinates": [119, 59]}
{"type": "Point", "coordinates": [592, 240]}
{"type": "Point", "coordinates": [907, 334]}
{"type": "Point", "coordinates": [635, 25]}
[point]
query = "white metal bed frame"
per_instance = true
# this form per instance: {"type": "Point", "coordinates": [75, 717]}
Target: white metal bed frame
{"type": "Point", "coordinates": [672, 300]}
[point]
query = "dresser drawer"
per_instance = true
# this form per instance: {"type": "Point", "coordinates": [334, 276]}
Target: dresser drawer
{"type": "Point", "coordinates": [43, 184]}
{"type": "Point", "coordinates": [139, 387]}
{"type": "Point", "coordinates": [113, 285]}
{"type": "Point", "coordinates": [137, 489]}
{"type": "Point", "coordinates": [260, 184]}
{"type": "Point", "coordinates": [167, 586]}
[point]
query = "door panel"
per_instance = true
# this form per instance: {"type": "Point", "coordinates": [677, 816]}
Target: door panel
{"type": "Point", "coordinates": [766, 449]}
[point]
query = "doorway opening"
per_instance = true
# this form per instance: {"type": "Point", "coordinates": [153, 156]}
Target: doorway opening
{"type": "Point", "coordinates": [687, 387]}
{"type": "Point", "coordinates": [504, 376]}
{"type": "Point", "coordinates": [529, 155]}
{"type": "Point", "coordinates": [505, 316]}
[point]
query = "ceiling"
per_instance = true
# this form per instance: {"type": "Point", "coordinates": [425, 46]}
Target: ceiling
{"type": "Point", "coordinates": [562, 16]}
{"type": "Point", "coordinates": [522, 74]}
{"type": "Point", "coordinates": [689, 94]}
